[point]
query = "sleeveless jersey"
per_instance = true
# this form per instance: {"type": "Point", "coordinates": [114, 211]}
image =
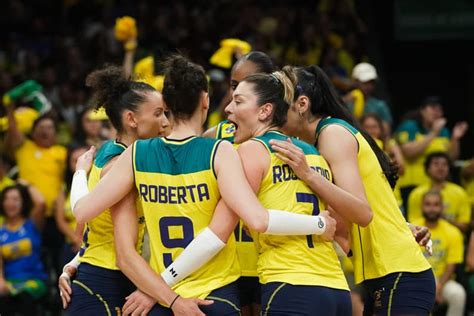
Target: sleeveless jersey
{"type": "Point", "coordinates": [246, 251]}
{"type": "Point", "coordinates": [98, 247]}
{"type": "Point", "coordinates": [386, 245]}
{"type": "Point", "coordinates": [179, 192]}
{"type": "Point", "coordinates": [297, 260]}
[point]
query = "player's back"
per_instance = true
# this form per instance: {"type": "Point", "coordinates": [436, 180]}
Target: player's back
{"type": "Point", "coordinates": [179, 192]}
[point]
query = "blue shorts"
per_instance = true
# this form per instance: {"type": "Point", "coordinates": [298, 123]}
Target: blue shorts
{"type": "Point", "coordinates": [226, 303]}
{"type": "Point", "coordinates": [250, 291]}
{"type": "Point", "coordinates": [401, 293]}
{"type": "Point", "coordinates": [283, 299]}
{"type": "Point", "coordinates": [98, 291]}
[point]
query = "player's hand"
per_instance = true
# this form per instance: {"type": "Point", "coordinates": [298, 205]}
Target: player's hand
{"type": "Point", "coordinates": [328, 234]}
{"type": "Point", "coordinates": [84, 162]}
{"type": "Point", "coordinates": [64, 284]}
{"type": "Point", "coordinates": [438, 125]}
{"type": "Point", "coordinates": [460, 129]}
{"type": "Point", "coordinates": [138, 303]}
{"type": "Point", "coordinates": [292, 155]}
{"type": "Point", "coordinates": [422, 236]}
{"type": "Point", "coordinates": [189, 306]}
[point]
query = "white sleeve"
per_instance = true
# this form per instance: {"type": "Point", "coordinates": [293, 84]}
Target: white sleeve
{"type": "Point", "coordinates": [286, 223]}
{"type": "Point", "coordinates": [79, 187]}
{"type": "Point", "coordinates": [75, 262]}
{"type": "Point", "coordinates": [203, 247]}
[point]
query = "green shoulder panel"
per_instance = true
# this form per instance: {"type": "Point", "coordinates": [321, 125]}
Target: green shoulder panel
{"type": "Point", "coordinates": [174, 157]}
{"type": "Point", "coordinates": [330, 120]}
{"type": "Point", "coordinates": [107, 151]}
{"type": "Point", "coordinates": [265, 139]}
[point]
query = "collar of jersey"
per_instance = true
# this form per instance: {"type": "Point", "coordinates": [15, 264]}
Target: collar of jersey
{"type": "Point", "coordinates": [178, 141]}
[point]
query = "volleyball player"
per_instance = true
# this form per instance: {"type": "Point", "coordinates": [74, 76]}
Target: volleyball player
{"type": "Point", "coordinates": [300, 275]}
{"type": "Point", "coordinates": [248, 284]}
{"type": "Point", "coordinates": [136, 110]}
{"type": "Point", "coordinates": [387, 260]}
{"type": "Point", "coordinates": [179, 180]}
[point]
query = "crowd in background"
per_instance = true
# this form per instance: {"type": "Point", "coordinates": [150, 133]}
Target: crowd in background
{"type": "Point", "coordinates": [46, 121]}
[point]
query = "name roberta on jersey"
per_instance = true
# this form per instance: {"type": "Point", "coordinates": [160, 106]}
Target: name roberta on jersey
{"type": "Point", "coordinates": [174, 194]}
{"type": "Point", "coordinates": [285, 173]}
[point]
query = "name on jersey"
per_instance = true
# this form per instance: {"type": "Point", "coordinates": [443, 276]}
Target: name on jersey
{"type": "Point", "coordinates": [174, 194]}
{"type": "Point", "coordinates": [285, 173]}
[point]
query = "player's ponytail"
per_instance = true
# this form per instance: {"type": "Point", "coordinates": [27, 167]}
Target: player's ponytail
{"type": "Point", "coordinates": [325, 101]}
{"type": "Point", "coordinates": [184, 83]}
{"type": "Point", "coordinates": [114, 92]}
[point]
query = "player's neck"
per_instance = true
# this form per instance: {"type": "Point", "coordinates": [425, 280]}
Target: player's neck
{"type": "Point", "coordinates": [183, 129]}
{"type": "Point", "coordinates": [308, 130]}
{"type": "Point", "coordinates": [126, 139]}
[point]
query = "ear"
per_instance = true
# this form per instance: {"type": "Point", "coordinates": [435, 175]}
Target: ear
{"type": "Point", "coordinates": [302, 105]}
{"type": "Point", "coordinates": [205, 100]}
{"type": "Point", "coordinates": [265, 112]}
{"type": "Point", "coordinates": [129, 119]}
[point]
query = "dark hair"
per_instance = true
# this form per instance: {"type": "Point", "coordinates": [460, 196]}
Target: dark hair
{"type": "Point", "coordinates": [430, 100]}
{"type": "Point", "coordinates": [261, 60]}
{"type": "Point", "coordinates": [79, 132]}
{"type": "Point", "coordinates": [68, 173]}
{"type": "Point", "coordinates": [183, 85]}
{"type": "Point", "coordinates": [274, 89]}
{"type": "Point", "coordinates": [439, 154]}
{"type": "Point", "coordinates": [433, 192]}
{"type": "Point", "coordinates": [27, 202]}
{"type": "Point", "coordinates": [116, 93]}
{"type": "Point", "coordinates": [325, 101]}
{"type": "Point", "coordinates": [45, 116]}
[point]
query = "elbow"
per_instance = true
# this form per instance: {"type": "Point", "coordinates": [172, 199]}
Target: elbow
{"type": "Point", "coordinates": [79, 214]}
{"type": "Point", "coordinates": [366, 218]}
{"type": "Point", "coordinates": [259, 224]}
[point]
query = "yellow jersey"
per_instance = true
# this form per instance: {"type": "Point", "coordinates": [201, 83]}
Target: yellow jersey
{"type": "Point", "coordinates": [456, 204]}
{"type": "Point", "coordinates": [246, 251]}
{"type": "Point", "coordinates": [98, 247]}
{"type": "Point", "coordinates": [43, 168]}
{"type": "Point", "coordinates": [178, 189]}
{"type": "Point", "coordinates": [409, 131]}
{"type": "Point", "coordinates": [6, 182]}
{"type": "Point", "coordinates": [386, 245]}
{"type": "Point", "coordinates": [448, 247]}
{"type": "Point", "coordinates": [468, 185]}
{"type": "Point", "coordinates": [297, 260]}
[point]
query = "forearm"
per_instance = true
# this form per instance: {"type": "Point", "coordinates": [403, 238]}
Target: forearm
{"type": "Point", "coordinates": [128, 63]}
{"type": "Point", "coordinates": [144, 277]}
{"type": "Point", "coordinates": [453, 148]}
{"type": "Point", "coordinates": [350, 207]}
{"type": "Point", "coordinates": [416, 148]}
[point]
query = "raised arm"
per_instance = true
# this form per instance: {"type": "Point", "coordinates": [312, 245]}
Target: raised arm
{"type": "Point", "coordinates": [111, 188]}
{"type": "Point", "coordinates": [13, 138]}
{"type": "Point", "coordinates": [347, 196]}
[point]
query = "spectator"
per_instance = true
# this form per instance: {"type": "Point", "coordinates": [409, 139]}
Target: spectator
{"type": "Point", "coordinates": [5, 181]}
{"type": "Point", "coordinates": [456, 208]}
{"type": "Point", "coordinates": [88, 130]}
{"type": "Point", "coordinates": [22, 275]}
{"type": "Point", "coordinates": [64, 218]}
{"type": "Point", "coordinates": [447, 253]}
{"type": "Point", "coordinates": [424, 134]}
{"type": "Point", "coordinates": [467, 180]}
{"type": "Point", "coordinates": [361, 100]}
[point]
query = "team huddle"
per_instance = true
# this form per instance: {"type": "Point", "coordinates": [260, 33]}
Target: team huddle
{"type": "Point", "coordinates": [247, 218]}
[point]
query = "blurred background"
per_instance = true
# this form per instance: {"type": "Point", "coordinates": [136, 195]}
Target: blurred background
{"type": "Point", "coordinates": [410, 56]}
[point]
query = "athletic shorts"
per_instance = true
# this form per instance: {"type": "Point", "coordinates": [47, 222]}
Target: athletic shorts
{"type": "Point", "coordinates": [400, 293]}
{"type": "Point", "coordinates": [98, 291]}
{"type": "Point", "coordinates": [283, 299]}
{"type": "Point", "coordinates": [250, 291]}
{"type": "Point", "coordinates": [226, 303]}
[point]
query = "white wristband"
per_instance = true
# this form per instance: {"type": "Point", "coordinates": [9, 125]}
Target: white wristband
{"type": "Point", "coordinates": [203, 247]}
{"type": "Point", "coordinates": [286, 223]}
{"type": "Point", "coordinates": [75, 262]}
{"type": "Point", "coordinates": [79, 187]}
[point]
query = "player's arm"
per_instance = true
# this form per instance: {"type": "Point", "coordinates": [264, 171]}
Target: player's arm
{"type": "Point", "coordinates": [112, 187]}
{"type": "Point", "coordinates": [240, 196]}
{"type": "Point", "coordinates": [347, 195]}
{"type": "Point", "coordinates": [136, 268]}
